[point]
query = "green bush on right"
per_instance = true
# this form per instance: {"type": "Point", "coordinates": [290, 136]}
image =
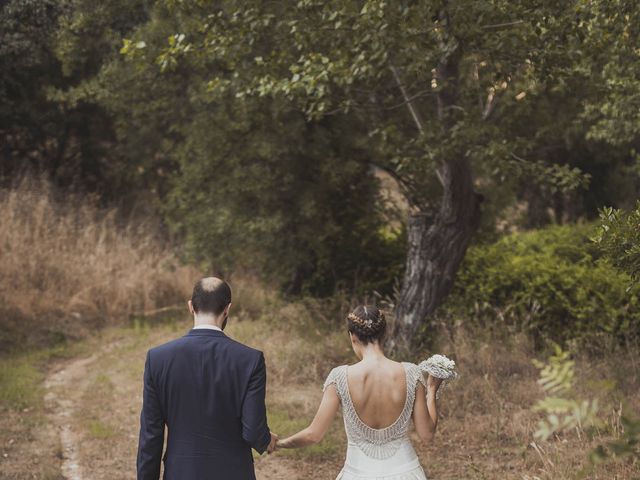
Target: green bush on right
{"type": "Point", "coordinates": [553, 283]}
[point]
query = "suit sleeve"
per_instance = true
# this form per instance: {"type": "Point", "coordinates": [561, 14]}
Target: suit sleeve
{"type": "Point", "coordinates": [151, 429]}
{"type": "Point", "coordinates": [254, 413]}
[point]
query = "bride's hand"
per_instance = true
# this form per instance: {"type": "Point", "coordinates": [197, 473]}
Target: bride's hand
{"type": "Point", "coordinates": [433, 383]}
{"type": "Point", "coordinates": [273, 444]}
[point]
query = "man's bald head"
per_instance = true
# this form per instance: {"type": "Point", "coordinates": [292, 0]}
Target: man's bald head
{"type": "Point", "coordinates": [211, 295]}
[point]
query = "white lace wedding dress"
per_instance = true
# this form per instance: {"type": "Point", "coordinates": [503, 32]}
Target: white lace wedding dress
{"type": "Point", "coordinates": [378, 454]}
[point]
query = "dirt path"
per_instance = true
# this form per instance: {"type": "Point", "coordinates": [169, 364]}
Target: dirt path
{"type": "Point", "coordinates": [63, 388]}
{"type": "Point", "coordinates": [276, 467]}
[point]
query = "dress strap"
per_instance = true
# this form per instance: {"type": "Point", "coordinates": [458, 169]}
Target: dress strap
{"type": "Point", "coordinates": [336, 378]}
{"type": "Point", "coordinates": [414, 376]}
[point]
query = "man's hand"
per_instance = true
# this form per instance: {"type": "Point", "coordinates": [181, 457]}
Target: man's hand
{"type": "Point", "coordinates": [272, 444]}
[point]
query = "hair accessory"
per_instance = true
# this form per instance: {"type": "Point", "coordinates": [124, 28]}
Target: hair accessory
{"type": "Point", "coordinates": [369, 325]}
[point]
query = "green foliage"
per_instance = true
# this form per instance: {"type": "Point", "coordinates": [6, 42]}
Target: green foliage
{"type": "Point", "coordinates": [611, 27]}
{"type": "Point", "coordinates": [267, 117]}
{"type": "Point", "coordinates": [50, 121]}
{"type": "Point", "coordinates": [27, 119]}
{"type": "Point", "coordinates": [284, 199]}
{"type": "Point", "coordinates": [627, 445]}
{"type": "Point", "coordinates": [511, 98]}
{"type": "Point", "coordinates": [354, 59]}
{"type": "Point", "coordinates": [618, 237]}
{"type": "Point", "coordinates": [563, 412]}
{"type": "Point", "coordinates": [252, 185]}
{"type": "Point", "coordinates": [550, 283]}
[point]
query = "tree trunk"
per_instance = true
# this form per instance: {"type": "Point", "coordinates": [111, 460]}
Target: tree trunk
{"type": "Point", "coordinates": [438, 245]}
{"type": "Point", "coordinates": [436, 249]}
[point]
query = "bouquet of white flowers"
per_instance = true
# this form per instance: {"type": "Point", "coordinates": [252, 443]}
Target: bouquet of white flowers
{"type": "Point", "coordinates": [439, 366]}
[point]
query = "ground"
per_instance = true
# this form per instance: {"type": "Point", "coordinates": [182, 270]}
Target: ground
{"type": "Point", "coordinates": [87, 424]}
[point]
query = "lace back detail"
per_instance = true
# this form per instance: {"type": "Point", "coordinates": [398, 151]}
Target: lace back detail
{"type": "Point", "coordinates": [376, 443]}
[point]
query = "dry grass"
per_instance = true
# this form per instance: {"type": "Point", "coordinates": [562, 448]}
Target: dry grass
{"type": "Point", "coordinates": [68, 267]}
{"type": "Point", "coordinates": [487, 417]}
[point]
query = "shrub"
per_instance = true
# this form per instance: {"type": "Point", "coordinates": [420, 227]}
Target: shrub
{"type": "Point", "coordinates": [550, 282]}
{"type": "Point", "coordinates": [564, 413]}
{"type": "Point", "coordinates": [618, 237]}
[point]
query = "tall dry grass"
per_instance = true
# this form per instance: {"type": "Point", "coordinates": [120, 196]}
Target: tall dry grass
{"type": "Point", "coordinates": [488, 414]}
{"type": "Point", "coordinates": [68, 267]}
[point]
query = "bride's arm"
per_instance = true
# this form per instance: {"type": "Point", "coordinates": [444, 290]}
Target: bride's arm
{"type": "Point", "coordinates": [315, 432]}
{"type": "Point", "coordinates": [425, 413]}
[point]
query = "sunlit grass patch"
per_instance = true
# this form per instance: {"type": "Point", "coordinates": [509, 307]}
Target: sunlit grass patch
{"type": "Point", "coordinates": [21, 375]}
{"type": "Point", "coordinates": [100, 430]}
{"type": "Point", "coordinates": [102, 386]}
{"type": "Point", "coordinates": [20, 383]}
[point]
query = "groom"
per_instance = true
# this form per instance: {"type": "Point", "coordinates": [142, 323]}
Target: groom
{"type": "Point", "coordinates": [209, 391]}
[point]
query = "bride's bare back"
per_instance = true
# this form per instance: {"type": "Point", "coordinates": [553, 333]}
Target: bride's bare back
{"type": "Point", "coordinates": [378, 391]}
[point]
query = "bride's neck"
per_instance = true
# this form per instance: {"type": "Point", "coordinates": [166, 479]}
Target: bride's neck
{"type": "Point", "coordinates": [371, 352]}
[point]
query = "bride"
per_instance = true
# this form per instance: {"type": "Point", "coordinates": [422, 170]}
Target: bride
{"type": "Point", "coordinates": [379, 398]}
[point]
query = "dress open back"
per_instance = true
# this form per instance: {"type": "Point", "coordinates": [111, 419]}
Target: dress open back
{"type": "Point", "coordinates": [378, 453]}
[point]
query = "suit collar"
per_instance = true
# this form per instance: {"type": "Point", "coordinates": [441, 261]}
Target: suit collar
{"type": "Point", "coordinates": [205, 332]}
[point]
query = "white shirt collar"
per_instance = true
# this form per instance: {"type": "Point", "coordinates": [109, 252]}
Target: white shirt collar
{"type": "Point", "coordinates": [207, 325]}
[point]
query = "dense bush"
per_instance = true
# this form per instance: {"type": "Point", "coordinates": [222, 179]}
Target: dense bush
{"type": "Point", "coordinates": [552, 283]}
{"type": "Point", "coordinates": [619, 239]}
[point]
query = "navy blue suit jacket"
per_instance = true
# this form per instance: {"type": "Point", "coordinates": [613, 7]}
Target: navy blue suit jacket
{"type": "Point", "coordinates": [209, 391]}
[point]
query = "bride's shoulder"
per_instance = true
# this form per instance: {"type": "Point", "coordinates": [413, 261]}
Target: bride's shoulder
{"type": "Point", "coordinates": [335, 376]}
{"type": "Point", "coordinates": [414, 373]}
{"type": "Point", "coordinates": [335, 371]}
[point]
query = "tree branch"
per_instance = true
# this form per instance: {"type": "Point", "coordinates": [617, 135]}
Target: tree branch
{"type": "Point", "coordinates": [414, 111]}
{"type": "Point", "coordinates": [500, 25]}
{"type": "Point", "coordinates": [407, 189]}
{"type": "Point", "coordinates": [423, 93]}
{"type": "Point", "coordinates": [408, 101]}
{"type": "Point", "coordinates": [492, 99]}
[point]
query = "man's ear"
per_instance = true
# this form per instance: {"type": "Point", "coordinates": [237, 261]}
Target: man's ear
{"type": "Point", "coordinates": [191, 310]}
{"type": "Point", "coordinates": [227, 308]}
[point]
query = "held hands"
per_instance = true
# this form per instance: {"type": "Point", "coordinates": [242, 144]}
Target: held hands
{"type": "Point", "coordinates": [272, 444]}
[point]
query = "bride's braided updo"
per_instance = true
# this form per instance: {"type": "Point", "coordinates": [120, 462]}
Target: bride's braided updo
{"type": "Point", "coordinates": [367, 323]}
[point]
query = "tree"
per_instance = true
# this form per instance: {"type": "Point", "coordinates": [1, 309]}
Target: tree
{"type": "Point", "coordinates": [27, 119]}
{"type": "Point", "coordinates": [47, 126]}
{"type": "Point", "coordinates": [457, 101]}
{"type": "Point", "coordinates": [434, 85]}
{"type": "Point", "coordinates": [250, 186]}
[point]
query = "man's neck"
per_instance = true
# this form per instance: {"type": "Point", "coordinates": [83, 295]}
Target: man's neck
{"type": "Point", "coordinates": [207, 321]}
